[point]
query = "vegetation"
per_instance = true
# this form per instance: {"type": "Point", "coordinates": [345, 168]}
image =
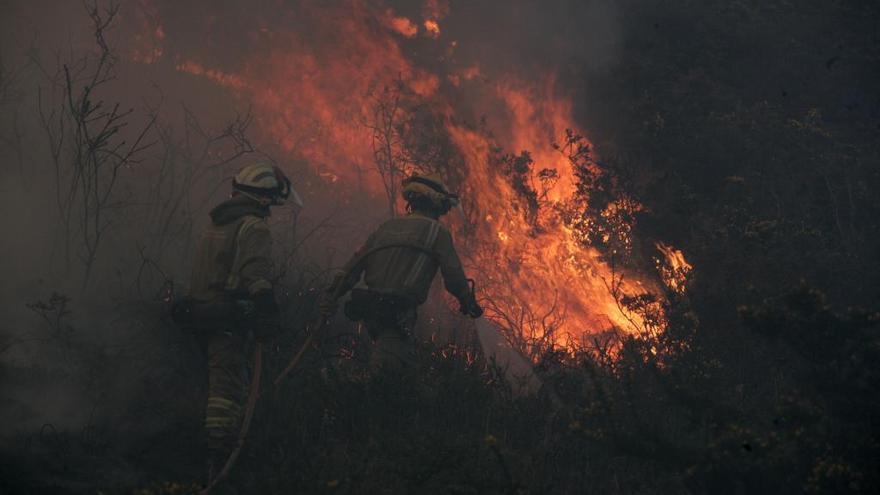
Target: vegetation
{"type": "Point", "coordinates": [750, 134]}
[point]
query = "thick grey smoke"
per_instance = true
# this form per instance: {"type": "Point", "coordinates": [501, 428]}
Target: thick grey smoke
{"type": "Point", "coordinates": [94, 358]}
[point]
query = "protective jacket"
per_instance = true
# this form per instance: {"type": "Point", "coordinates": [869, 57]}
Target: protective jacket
{"type": "Point", "coordinates": [232, 263]}
{"type": "Point", "coordinates": [233, 256]}
{"type": "Point", "coordinates": [405, 271]}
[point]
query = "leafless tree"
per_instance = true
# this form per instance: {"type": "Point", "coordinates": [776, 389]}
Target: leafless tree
{"type": "Point", "coordinates": [87, 145]}
{"type": "Point", "coordinates": [389, 156]}
{"type": "Point", "coordinates": [7, 81]}
{"type": "Point", "coordinates": [184, 161]}
{"type": "Point", "coordinates": [408, 136]}
{"type": "Point", "coordinates": [531, 329]}
{"type": "Point", "coordinates": [10, 98]}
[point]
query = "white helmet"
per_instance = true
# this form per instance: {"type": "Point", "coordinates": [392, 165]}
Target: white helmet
{"type": "Point", "coordinates": [264, 182]}
{"type": "Point", "coordinates": [428, 190]}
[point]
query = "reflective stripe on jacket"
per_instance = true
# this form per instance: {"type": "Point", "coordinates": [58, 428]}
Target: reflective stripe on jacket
{"type": "Point", "coordinates": [233, 255]}
{"type": "Point", "coordinates": [408, 271]}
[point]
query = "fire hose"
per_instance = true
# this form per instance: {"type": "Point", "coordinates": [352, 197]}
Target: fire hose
{"type": "Point", "coordinates": [253, 393]}
{"type": "Point", "coordinates": [334, 296]}
{"type": "Point", "coordinates": [516, 368]}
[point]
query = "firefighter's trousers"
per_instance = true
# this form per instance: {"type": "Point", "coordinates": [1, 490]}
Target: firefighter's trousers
{"type": "Point", "coordinates": [393, 344]}
{"type": "Point", "coordinates": [227, 378]}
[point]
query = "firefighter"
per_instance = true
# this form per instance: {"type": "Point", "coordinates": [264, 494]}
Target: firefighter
{"type": "Point", "coordinates": [398, 263]}
{"type": "Point", "coordinates": [231, 295]}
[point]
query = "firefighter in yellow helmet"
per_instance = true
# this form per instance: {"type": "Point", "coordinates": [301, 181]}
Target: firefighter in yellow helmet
{"type": "Point", "coordinates": [231, 294]}
{"type": "Point", "coordinates": [398, 263]}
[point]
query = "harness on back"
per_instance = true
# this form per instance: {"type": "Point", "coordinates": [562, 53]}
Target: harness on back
{"type": "Point", "coordinates": [229, 311]}
{"type": "Point", "coordinates": [377, 304]}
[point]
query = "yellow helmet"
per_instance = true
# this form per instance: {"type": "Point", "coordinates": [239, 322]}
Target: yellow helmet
{"type": "Point", "coordinates": [428, 191]}
{"type": "Point", "coordinates": [264, 182]}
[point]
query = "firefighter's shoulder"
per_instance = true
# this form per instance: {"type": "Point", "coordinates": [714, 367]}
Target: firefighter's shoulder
{"type": "Point", "coordinates": [254, 225]}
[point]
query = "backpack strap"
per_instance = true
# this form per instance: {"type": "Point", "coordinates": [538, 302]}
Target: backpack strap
{"type": "Point", "coordinates": [233, 280]}
{"type": "Point", "coordinates": [427, 244]}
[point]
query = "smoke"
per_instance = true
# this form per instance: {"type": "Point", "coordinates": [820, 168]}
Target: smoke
{"type": "Point", "coordinates": [198, 68]}
{"type": "Point", "coordinates": [537, 37]}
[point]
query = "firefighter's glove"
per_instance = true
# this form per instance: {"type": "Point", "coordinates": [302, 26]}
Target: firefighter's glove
{"type": "Point", "coordinates": [470, 307]}
{"type": "Point", "coordinates": [264, 303]}
{"type": "Point", "coordinates": [327, 304]}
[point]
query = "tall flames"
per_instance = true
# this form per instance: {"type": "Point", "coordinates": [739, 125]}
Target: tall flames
{"type": "Point", "coordinates": [315, 93]}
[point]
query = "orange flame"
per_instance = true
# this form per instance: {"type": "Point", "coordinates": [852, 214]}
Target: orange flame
{"type": "Point", "coordinates": [400, 25]}
{"type": "Point", "coordinates": [535, 274]}
{"type": "Point", "coordinates": [147, 42]}
{"type": "Point", "coordinates": [545, 285]}
{"type": "Point", "coordinates": [673, 268]}
{"type": "Point", "coordinates": [432, 27]}
{"type": "Point", "coordinates": [231, 81]}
